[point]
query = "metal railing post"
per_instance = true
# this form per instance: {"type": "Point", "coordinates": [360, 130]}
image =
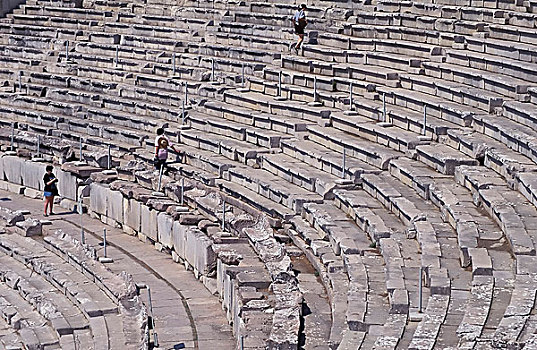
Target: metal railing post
{"type": "Point", "coordinates": [315, 97]}
{"type": "Point", "coordinates": [223, 215]}
{"type": "Point", "coordinates": [344, 163]}
{"type": "Point", "coordinates": [117, 56]}
{"type": "Point", "coordinates": [12, 145]}
{"type": "Point", "coordinates": [424, 131]}
{"type": "Point", "coordinates": [183, 114]}
{"type": "Point", "coordinates": [109, 157]}
{"type": "Point", "coordinates": [242, 75]}
{"type": "Point", "coordinates": [81, 212]}
{"type": "Point", "coordinates": [182, 190]}
{"type": "Point", "coordinates": [104, 242]}
{"type": "Point", "coordinates": [155, 336]}
{"type": "Point", "coordinates": [160, 177]}
{"type": "Point", "coordinates": [212, 69]}
{"type": "Point", "coordinates": [351, 97]}
{"type": "Point", "coordinates": [420, 291]}
{"type": "Point", "coordinates": [384, 107]}
{"type": "Point", "coordinates": [280, 84]}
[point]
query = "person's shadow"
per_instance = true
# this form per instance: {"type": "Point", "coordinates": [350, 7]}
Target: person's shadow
{"type": "Point", "coordinates": [63, 213]}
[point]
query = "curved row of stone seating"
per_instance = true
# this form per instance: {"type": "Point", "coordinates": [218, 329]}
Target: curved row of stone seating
{"type": "Point", "coordinates": [105, 298]}
{"type": "Point", "coordinates": [470, 233]}
{"type": "Point", "coordinates": [88, 326]}
{"type": "Point", "coordinates": [240, 135]}
{"type": "Point", "coordinates": [445, 169]}
{"type": "Point", "coordinates": [321, 133]}
{"type": "Point", "coordinates": [351, 266]}
{"type": "Point", "coordinates": [242, 281]}
{"type": "Point", "coordinates": [21, 324]}
{"type": "Point", "coordinates": [232, 250]}
{"type": "Point", "coordinates": [388, 232]}
{"type": "Point", "coordinates": [229, 99]}
{"type": "Point", "coordinates": [509, 209]}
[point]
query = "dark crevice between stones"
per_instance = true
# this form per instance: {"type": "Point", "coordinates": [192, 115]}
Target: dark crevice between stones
{"type": "Point", "coordinates": [301, 335]}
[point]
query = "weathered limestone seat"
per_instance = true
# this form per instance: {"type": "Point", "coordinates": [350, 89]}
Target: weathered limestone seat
{"type": "Point", "coordinates": [465, 64]}
{"type": "Point", "coordinates": [287, 125]}
{"type": "Point", "coordinates": [96, 308]}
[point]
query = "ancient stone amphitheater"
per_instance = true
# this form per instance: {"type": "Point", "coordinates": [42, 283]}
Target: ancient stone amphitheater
{"type": "Point", "coordinates": [375, 191]}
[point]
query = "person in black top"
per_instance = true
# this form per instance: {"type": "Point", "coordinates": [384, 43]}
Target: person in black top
{"type": "Point", "coordinates": [51, 189]}
{"type": "Point", "coordinates": [300, 22]}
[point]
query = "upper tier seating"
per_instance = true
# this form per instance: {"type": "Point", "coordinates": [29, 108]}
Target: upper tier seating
{"type": "Point", "coordinates": [396, 151]}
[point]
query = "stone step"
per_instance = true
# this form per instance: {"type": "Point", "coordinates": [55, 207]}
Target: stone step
{"type": "Point", "coordinates": [206, 160]}
{"type": "Point", "coordinates": [399, 116]}
{"type": "Point", "coordinates": [436, 106]}
{"type": "Point", "coordinates": [429, 327]}
{"type": "Point", "coordinates": [521, 113]}
{"type": "Point", "coordinates": [26, 137]}
{"type": "Point", "coordinates": [232, 149]}
{"type": "Point", "coordinates": [301, 174]}
{"type": "Point", "coordinates": [288, 125]}
{"type": "Point", "coordinates": [500, 84]}
{"type": "Point", "coordinates": [324, 83]}
{"type": "Point", "coordinates": [298, 94]}
{"type": "Point", "coordinates": [21, 316]}
{"type": "Point", "coordinates": [442, 158]}
{"type": "Point", "coordinates": [269, 47]}
{"type": "Point", "coordinates": [279, 190]}
{"type": "Point", "coordinates": [255, 200]}
{"type": "Point", "coordinates": [517, 313]}
{"type": "Point", "coordinates": [389, 136]}
{"type": "Point", "coordinates": [90, 298]}
{"type": "Point", "coordinates": [514, 219]}
{"type": "Point", "coordinates": [513, 135]}
{"type": "Point", "coordinates": [495, 155]}
{"type": "Point", "coordinates": [365, 289]}
{"type": "Point", "coordinates": [324, 159]}
{"type": "Point", "coordinates": [65, 316]}
{"type": "Point", "coordinates": [516, 69]}
{"type": "Point", "coordinates": [355, 71]}
{"type": "Point", "coordinates": [473, 322]}
{"type": "Point", "coordinates": [220, 126]}
{"type": "Point", "coordinates": [284, 33]}
{"type": "Point", "coordinates": [331, 278]}
{"type": "Point", "coordinates": [453, 91]}
{"type": "Point", "coordinates": [383, 45]}
{"type": "Point", "coordinates": [375, 155]}
{"type": "Point", "coordinates": [266, 104]}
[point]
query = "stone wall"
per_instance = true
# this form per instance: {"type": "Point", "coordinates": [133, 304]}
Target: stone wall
{"type": "Point", "coordinates": [29, 176]}
{"type": "Point", "coordinates": [245, 266]}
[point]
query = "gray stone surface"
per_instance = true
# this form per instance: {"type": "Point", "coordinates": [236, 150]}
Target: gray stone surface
{"type": "Point", "coordinates": [29, 227]}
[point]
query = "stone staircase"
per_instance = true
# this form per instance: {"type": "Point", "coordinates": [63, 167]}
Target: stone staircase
{"type": "Point", "coordinates": [401, 130]}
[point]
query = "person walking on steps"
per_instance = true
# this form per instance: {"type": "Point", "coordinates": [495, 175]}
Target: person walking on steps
{"type": "Point", "coordinates": [300, 22]}
{"type": "Point", "coordinates": [161, 149]}
{"type": "Point", "coordinates": [50, 190]}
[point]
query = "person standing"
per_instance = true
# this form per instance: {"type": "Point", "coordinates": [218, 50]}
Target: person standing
{"type": "Point", "coordinates": [50, 190]}
{"type": "Point", "coordinates": [300, 22]}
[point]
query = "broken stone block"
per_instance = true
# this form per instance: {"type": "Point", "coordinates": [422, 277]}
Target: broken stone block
{"type": "Point", "coordinates": [11, 217]}
{"type": "Point", "coordinates": [29, 228]}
